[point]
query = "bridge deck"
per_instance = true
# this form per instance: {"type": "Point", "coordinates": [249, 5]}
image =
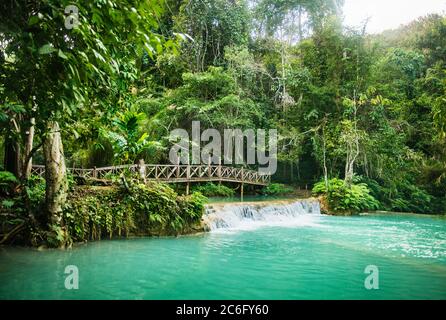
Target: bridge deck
{"type": "Point", "coordinates": [172, 173]}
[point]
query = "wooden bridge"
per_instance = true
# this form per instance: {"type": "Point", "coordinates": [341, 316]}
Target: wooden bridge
{"type": "Point", "coordinates": [172, 173]}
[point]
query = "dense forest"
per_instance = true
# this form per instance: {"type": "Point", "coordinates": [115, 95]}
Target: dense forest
{"type": "Point", "coordinates": [361, 118]}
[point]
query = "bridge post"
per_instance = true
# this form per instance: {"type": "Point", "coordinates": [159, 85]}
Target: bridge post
{"type": "Point", "coordinates": [95, 173]}
{"type": "Point", "coordinates": [142, 170]}
{"type": "Point", "coordinates": [241, 187]}
{"type": "Point", "coordinates": [219, 171]}
{"type": "Point", "coordinates": [209, 166]}
{"type": "Point", "coordinates": [187, 178]}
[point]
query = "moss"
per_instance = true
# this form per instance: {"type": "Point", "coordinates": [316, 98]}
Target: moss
{"type": "Point", "coordinates": [93, 213]}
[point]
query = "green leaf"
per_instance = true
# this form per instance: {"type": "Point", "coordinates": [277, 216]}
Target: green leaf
{"type": "Point", "coordinates": [33, 20]}
{"type": "Point", "coordinates": [142, 138]}
{"type": "Point", "coordinates": [62, 55]}
{"type": "Point", "coordinates": [8, 203]}
{"type": "Point", "coordinates": [46, 49]}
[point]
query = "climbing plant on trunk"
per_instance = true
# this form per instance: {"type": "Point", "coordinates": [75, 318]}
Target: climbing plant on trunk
{"type": "Point", "coordinates": [55, 174]}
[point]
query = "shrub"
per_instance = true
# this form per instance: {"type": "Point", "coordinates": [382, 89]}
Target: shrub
{"type": "Point", "coordinates": [403, 196]}
{"type": "Point", "coordinates": [410, 198]}
{"type": "Point", "coordinates": [153, 209]}
{"type": "Point", "coordinates": [276, 189]}
{"type": "Point", "coordinates": [7, 182]}
{"type": "Point", "coordinates": [35, 191]}
{"type": "Point", "coordinates": [344, 199]}
{"type": "Point", "coordinates": [214, 190]}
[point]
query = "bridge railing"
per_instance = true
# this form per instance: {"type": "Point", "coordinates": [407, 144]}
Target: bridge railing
{"type": "Point", "coordinates": [171, 173]}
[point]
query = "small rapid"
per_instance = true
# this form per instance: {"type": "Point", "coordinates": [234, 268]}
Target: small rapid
{"type": "Point", "coordinates": [248, 216]}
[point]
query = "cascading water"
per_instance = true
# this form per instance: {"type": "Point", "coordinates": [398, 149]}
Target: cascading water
{"type": "Point", "coordinates": [220, 217]}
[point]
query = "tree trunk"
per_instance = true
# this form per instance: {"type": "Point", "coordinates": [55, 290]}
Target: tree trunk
{"type": "Point", "coordinates": [12, 157]}
{"type": "Point", "coordinates": [352, 147]}
{"type": "Point", "coordinates": [283, 78]}
{"type": "Point", "coordinates": [55, 174]}
{"type": "Point", "coordinates": [28, 147]}
{"type": "Point", "coordinates": [300, 25]}
{"type": "Point", "coordinates": [324, 150]}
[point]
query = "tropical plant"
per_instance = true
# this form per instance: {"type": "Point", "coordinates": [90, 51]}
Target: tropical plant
{"type": "Point", "coordinates": [127, 140]}
{"type": "Point", "coordinates": [345, 198]}
{"type": "Point", "coordinates": [7, 182]}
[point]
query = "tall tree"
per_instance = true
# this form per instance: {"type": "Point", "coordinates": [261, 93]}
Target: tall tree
{"type": "Point", "coordinates": [212, 26]}
{"type": "Point", "coordinates": [292, 18]}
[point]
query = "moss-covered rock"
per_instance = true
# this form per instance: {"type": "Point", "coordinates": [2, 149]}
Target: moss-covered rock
{"type": "Point", "coordinates": [94, 212]}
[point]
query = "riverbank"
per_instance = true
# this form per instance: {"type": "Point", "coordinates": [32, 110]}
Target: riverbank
{"type": "Point", "coordinates": [94, 213]}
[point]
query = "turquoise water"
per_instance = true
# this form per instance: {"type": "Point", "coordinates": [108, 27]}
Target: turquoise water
{"type": "Point", "coordinates": [324, 259]}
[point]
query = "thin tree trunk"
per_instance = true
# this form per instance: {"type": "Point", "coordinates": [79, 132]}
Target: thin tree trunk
{"type": "Point", "coordinates": [366, 166]}
{"type": "Point", "coordinates": [55, 174]}
{"type": "Point", "coordinates": [285, 171]}
{"type": "Point", "coordinates": [298, 168]}
{"type": "Point", "coordinates": [28, 147]}
{"type": "Point", "coordinates": [13, 150]}
{"type": "Point", "coordinates": [283, 77]}
{"type": "Point", "coordinates": [11, 161]}
{"type": "Point", "coordinates": [324, 149]}
{"type": "Point", "coordinates": [300, 24]}
{"type": "Point", "coordinates": [352, 154]}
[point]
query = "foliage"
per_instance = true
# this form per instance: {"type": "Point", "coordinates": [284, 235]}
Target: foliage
{"type": "Point", "coordinates": [276, 189]}
{"type": "Point", "coordinates": [35, 192]}
{"type": "Point", "coordinates": [68, 68]}
{"type": "Point", "coordinates": [212, 25]}
{"type": "Point", "coordinates": [22, 210]}
{"type": "Point", "coordinates": [7, 182]}
{"type": "Point", "coordinates": [343, 198]}
{"type": "Point", "coordinates": [64, 69]}
{"type": "Point", "coordinates": [127, 141]}
{"type": "Point", "coordinates": [214, 190]}
{"type": "Point", "coordinates": [154, 209]}
{"type": "Point", "coordinates": [286, 16]}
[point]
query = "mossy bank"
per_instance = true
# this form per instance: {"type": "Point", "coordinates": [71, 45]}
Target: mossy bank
{"type": "Point", "coordinates": [98, 212]}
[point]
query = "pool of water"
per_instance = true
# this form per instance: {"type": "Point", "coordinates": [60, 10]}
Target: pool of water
{"type": "Point", "coordinates": [324, 259]}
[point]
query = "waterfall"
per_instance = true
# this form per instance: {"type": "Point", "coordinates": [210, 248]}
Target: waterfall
{"type": "Point", "coordinates": [253, 215]}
